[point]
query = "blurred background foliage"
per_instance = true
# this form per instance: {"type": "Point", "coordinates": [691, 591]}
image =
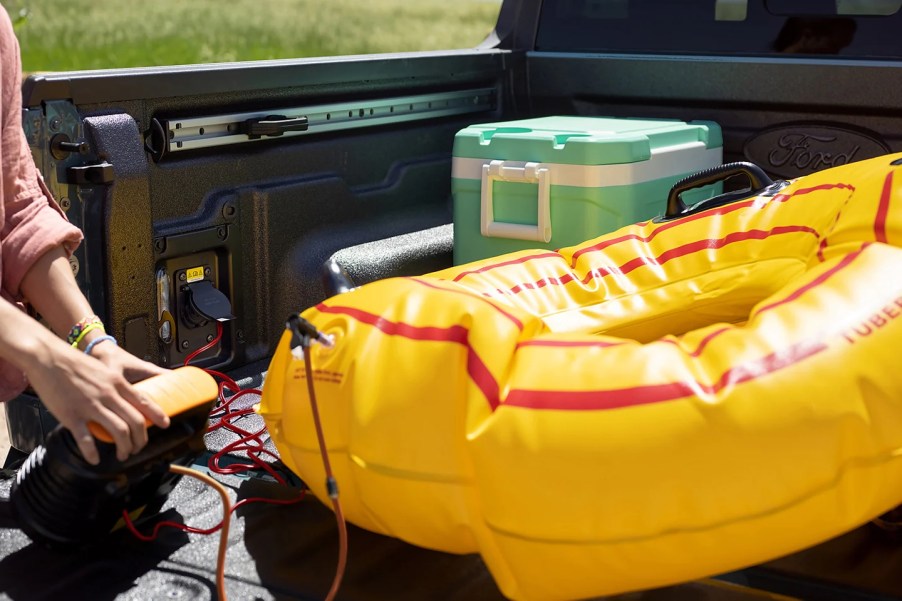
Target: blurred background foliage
{"type": "Point", "coordinates": [66, 35]}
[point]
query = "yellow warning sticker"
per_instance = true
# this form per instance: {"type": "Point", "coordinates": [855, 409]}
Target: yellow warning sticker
{"type": "Point", "coordinates": [195, 274]}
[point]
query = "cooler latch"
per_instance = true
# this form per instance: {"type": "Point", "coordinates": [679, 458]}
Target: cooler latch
{"type": "Point", "coordinates": [533, 173]}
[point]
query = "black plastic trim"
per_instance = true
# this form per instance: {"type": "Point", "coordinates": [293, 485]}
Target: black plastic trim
{"type": "Point", "coordinates": [118, 85]}
{"type": "Point", "coordinates": [855, 85]}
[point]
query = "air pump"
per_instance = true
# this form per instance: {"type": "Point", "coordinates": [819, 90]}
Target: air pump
{"type": "Point", "coordinates": [60, 499]}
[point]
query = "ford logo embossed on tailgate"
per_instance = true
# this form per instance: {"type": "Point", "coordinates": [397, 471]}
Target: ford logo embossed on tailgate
{"type": "Point", "coordinates": [795, 150]}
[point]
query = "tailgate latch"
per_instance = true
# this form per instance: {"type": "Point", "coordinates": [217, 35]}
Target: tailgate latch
{"type": "Point", "coordinates": [99, 174]}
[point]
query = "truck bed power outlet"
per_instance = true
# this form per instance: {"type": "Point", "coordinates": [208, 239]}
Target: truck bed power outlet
{"type": "Point", "coordinates": [205, 303]}
{"type": "Point", "coordinates": [194, 300]}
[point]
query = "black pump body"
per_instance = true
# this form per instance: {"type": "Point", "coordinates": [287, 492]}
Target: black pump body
{"type": "Point", "coordinates": [60, 499]}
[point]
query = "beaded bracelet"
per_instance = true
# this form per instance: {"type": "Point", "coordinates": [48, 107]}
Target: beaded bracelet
{"type": "Point", "coordinates": [78, 331]}
{"type": "Point", "coordinates": [97, 341]}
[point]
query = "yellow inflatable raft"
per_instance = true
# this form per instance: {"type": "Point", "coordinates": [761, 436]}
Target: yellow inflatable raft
{"type": "Point", "coordinates": [676, 399]}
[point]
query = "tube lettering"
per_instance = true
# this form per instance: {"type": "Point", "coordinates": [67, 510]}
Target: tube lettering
{"type": "Point", "coordinates": [878, 320]}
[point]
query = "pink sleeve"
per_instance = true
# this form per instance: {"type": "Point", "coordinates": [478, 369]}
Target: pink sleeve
{"type": "Point", "coordinates": [32, 221]}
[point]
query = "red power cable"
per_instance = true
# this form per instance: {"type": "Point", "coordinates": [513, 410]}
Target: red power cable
{"type": "Point", "coordinates": [224, 415]}
{"type": "Point", "coordinates": [147, 538]}
{"type": "Point", "coordinates": [252, 444]}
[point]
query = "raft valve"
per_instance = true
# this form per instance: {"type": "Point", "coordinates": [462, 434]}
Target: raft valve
{"type": "Point", "coordinates": [303, 332]}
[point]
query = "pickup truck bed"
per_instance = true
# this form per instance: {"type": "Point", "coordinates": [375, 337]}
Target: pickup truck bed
{"type": "Point", "coordinates": [171, 182]}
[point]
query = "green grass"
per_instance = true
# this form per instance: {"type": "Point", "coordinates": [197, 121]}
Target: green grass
{"type": "Point", "coordinates": [65, 35]}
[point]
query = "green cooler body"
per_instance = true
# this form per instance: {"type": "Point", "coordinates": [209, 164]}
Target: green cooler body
{"type": "Point", "coordinates": [553, 182]}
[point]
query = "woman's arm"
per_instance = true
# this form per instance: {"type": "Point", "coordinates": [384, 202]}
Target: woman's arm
{"type": "Point", "coordinates": [35, 239]}
{"type": "Point", "coordinates": [75, 387]}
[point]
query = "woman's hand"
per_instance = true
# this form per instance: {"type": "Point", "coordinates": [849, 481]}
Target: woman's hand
{"type": "Point", "coordinates": [77, 389]}
{"type": "Point", "coordinates": [116, 358]}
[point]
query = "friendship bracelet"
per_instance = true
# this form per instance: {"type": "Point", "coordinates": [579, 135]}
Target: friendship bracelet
{"type": "Point", "coordinates": [97, 341]}
{"type": "Point", "coordinates": [78, 330]}
{"type": "Point", "coordinates": [89, 328]}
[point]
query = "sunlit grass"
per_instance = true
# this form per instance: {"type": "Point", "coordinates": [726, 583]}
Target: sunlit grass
{"type": "Point", "coordinates": [63, 35]}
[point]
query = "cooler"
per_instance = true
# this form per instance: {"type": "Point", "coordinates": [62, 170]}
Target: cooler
{"type": "Point", "coordinates": [553, 182]}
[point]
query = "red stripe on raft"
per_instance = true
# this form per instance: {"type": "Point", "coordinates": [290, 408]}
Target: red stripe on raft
{"type": "Point", "coordinates": [516, 261]}
{"type": "Point", "coordinates": [454, 333]}
{"type": "Point", "coordinates": [883, 209]}
{"type": "Point", "coordinates": [476, 368]}
{"type": "Point", "coordinates": [666, 226]}
{"type": "Point", "coordinates": [704, 342]}
{"type": "Point", "coordinates": [668, 255]}
{"type": "Point", "coordinates": [663, 228]}
{"type": "Point", "coordinates": [822, 187]}
{"type": "Point", "coordinates": [469, 294]}
{"type": "Point", "coordinates": [655, 393]}
{"type": "Point", "coordinates": [483, 378]}
{"type": "Point", "coordinates": [564, 279]}
{"type": "Point", "coordinates": [724, 210]}
{"type": "Point", "coordinates": [818, 280]}
{"type": "Point", "coordinates": [822, 246]}
{"type": "Point", "coordinates": [591, 400]}
{"type": "Point", "coordinates": [605, 344]}
{"type": "Point", "coordinates": [569, 343]}
{"type": "Point", "coordinates": [715, 244]}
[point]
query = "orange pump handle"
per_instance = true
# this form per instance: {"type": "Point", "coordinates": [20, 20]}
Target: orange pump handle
{"type": "Point", "coordinates": [175, 392]}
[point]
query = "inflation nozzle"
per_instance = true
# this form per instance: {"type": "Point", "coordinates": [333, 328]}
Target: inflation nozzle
{"type": "Point", "coordinates": [303, 333]}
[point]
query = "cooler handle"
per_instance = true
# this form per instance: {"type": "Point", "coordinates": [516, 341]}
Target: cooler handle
{"type": "Point", "coordinates": [530, 173]}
